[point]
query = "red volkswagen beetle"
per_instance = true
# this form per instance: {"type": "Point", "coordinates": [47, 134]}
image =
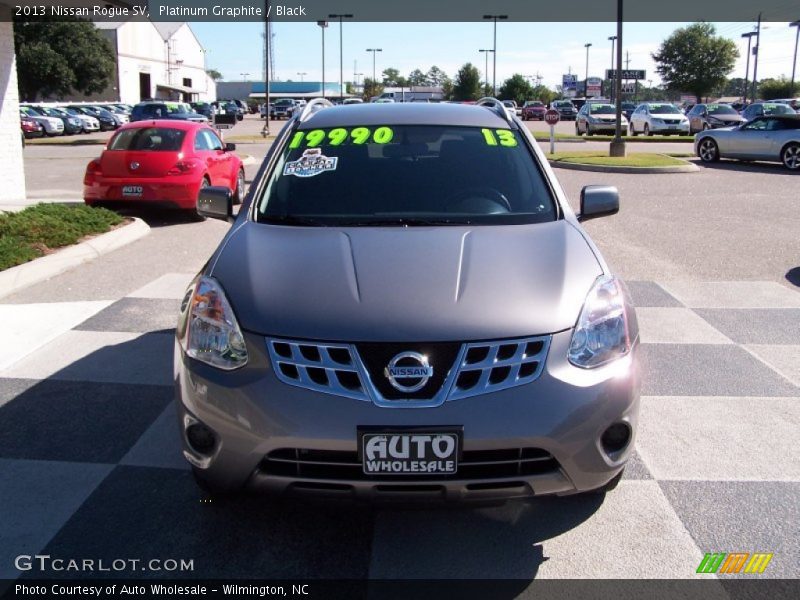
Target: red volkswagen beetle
{"type": "Point", "coordinates": [163, 162]}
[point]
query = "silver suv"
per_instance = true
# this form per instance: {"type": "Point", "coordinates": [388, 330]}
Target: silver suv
{"type": "Point", "coordinates": [407, 307]}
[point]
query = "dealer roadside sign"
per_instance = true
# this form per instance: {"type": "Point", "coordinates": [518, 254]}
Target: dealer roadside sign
{"type": "Point", "coordinates": [551, 117]}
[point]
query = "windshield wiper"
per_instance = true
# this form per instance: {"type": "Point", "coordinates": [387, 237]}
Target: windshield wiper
{"type": "Point", "coordinates": [293, 220]}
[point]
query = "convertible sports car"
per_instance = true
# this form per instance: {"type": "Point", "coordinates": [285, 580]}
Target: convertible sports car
{"type": "Point", "coordinates": [774, 138]}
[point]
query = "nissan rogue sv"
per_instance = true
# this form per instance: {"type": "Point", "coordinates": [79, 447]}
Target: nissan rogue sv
{"type": "Point", "coordinates": [406, 307]}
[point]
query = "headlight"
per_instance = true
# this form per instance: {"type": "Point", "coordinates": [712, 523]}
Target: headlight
{"type": "Point", "coordinates": [601, 334]}
{"type": "Point", "coordinates": [212, 334]}
{"type": "Point", "coordinates": [75, 121]}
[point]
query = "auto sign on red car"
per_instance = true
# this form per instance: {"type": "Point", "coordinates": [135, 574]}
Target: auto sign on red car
{"type": "Point", "coordinates": [164, 162]}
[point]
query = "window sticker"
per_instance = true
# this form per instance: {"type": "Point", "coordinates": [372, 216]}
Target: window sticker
{"type": "Point", "coordinates": [312, 163]}
{"type": "Point", "coordinates": [505, 137]}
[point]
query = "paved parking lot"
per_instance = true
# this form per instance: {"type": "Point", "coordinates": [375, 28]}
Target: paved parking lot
{"type": "Point", "coordinates": [90, 463]}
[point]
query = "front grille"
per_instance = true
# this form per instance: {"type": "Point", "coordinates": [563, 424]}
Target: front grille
{"type": "Point", "coordinates": [327, 368]}
{"type": "Point", "coordinates": [357, 371]}
{"type": "Point", "coordinates": [493, 366]}
{"type": "Point", "coordinates": [344, 465]}
{"type": "Point", "coordinates": [672, 121]}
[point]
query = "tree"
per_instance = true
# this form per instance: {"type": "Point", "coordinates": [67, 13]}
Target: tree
{"type": "Point", "coordinates": [436, 76]}
{"type": "Point", "coordinates": [59, 57]}
{"type": "Point", "coordinates": [543, 94]}
{"type": "Point", "coordinates": [467, 85]}
{"type": "Point", "coordinates": [516, 88]}
{"type": "Point", "coordinates": [214, 74]}
{"type": "Point", "coordinates": [417, 77]}
{"type": "Point", "coordinates": [769, 89]}
{"type": "Point", "coordinates": [371, 88]}
{"type": "Point", "coordinates": [693, 59]}
{"type": "Point", "coordinates": [392, 78]}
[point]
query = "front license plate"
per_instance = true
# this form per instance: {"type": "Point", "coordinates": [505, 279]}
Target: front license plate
{"type": "Point", "coordinates": [415, 451]}
{"type": "Point", "coordinates": [132, 190]}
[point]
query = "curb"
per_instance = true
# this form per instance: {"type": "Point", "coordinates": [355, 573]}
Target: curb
{"type": "Point", "coordinates": [16, 278]}
{"type": "Point", "coordinates": [687, 168]}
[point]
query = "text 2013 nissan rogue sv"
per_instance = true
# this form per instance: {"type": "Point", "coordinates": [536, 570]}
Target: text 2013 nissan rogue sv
{"type": "Point", "coordinates": [407, 307]}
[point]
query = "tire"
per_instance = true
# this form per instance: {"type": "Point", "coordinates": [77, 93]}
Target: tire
{"type": "Point", "coordinates": [239, 192]}
{"type": "Point", "coordinates": [647, 131]}
{"type": "Point", "coordinates": [707, 150]}
{"type": "Point", "coordinates": [589, 131]}
{"type": "Point", "coordinates": [705, 127]}
{"type": "Point", "coordinates": [633, 131]}
{"type": "Point", "coordinates": [790, 156]}
{"type": "Point", "coordinates": [209, 488]}
{"type": "Point", "coordinates": [192, 213]}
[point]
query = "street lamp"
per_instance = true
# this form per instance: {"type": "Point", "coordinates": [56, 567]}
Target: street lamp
{"type": "Point", "coordinates": [617, 145]}
{"type": "Point", "coordinates": [357, 76]}
{"type": "Point", "coordinates": [302, 74]}
{"type": "Point", "coordinates": [494, 49]}
{"type": "Point", "coordinates": [755, 60]}
{"type": "Point", "coordinates": [586, 81]}
{"type": "Point", "coordinates": [747, 70]}
{"type": "Point", "coordinates": [244, 75]}
{"type": "Point", "coordinates": [322, 26]}
{"type": "Point", "coordinates": [794, 60]}
{"type": "Point", "coordinates": [374, 50]}
{"type": "Point", "coordinates": [486, 67]}
{"type": "Point", "coordinates": [341, 51]}
{"type": "Point", "coordinates": [612, 39]}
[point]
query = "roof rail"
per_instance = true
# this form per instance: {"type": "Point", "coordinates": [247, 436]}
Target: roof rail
{"type": "Point", "coordinates": [313, 106]}
{"type": "Point", "coordinates": [497, 106]}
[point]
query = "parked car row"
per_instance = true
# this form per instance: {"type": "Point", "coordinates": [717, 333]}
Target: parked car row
{"type": "Point", "coordinates": [70, 119]}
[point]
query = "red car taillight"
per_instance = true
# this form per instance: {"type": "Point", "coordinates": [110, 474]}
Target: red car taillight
{"type": "Point", "coordinates": [92, 171]}
{"type": "Point", "coordinates": [182, 167]}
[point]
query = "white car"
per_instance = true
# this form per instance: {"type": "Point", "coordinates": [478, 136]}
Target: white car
{"type": "Point", "coordinates": [658, 117]}
{"type": "Point", "coordinates": [89, 123]}
{"type": "Point", "coordinates": [52, 125]}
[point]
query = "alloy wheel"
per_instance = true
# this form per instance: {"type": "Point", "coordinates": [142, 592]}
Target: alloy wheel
{"type": "Point", "coordinates": [791, 157]}
{"type": "Point", "coordinates": [708, 150]}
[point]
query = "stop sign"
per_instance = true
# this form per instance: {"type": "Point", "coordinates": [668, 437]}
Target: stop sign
{"type": "Point", "coordinates": [551, 117]}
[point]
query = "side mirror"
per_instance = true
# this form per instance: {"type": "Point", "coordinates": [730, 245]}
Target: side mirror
{"type": "Point", "coordinates": [598, 201]}
{"type": "Point", "coordinates": [230, 147]}
{"type": "Point", "coordinates": [215, 202]}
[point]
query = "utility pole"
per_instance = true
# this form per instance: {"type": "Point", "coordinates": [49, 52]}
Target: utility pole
{"type": "Point", "coordinates": [755, 60]}
{"type": "Point", "coordinates": [374, 50]}
{"type": "Point", "coordinates": [586, 81]}
{"type": "Point", "coordinates": [617, 146]}
{"type": "Point", "coordinates": [267, 45]}
{"type": "Point", "coordinates": [486, 69]}
{"type": "Point", "coordinates": [794, 60]}
{"type": "Point", "coordinates": [322, 26]}
{"type": "Point", "coordinates": [749, 37]}
{"type": "Point", "coordinates": [613, 39]}
{"type": "Point", "coordinates": [494, 49]}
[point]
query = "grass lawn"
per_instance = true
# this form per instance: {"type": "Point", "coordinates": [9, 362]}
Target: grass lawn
{"type": "Point", "coordinates": [39, 229]}
{"type": "Point", "coordinates": [544, 136]}
{"type": "Point", "coordinates": [600, 157]}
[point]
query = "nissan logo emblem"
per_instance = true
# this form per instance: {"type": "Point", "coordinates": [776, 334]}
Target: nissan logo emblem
{"type": "Point", "coordinates": [411, 366]}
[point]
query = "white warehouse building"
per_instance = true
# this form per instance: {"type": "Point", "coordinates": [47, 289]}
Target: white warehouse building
{"type": "Point", "coordinates": [156, 60]}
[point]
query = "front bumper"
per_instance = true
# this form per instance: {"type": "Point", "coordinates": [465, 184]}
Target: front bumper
{"type": "Point", "coordinates": [605, 127]}
{"type": "Point", "coordinates": [668, 128]}
{"type": "Point", "coordinates": [563, 413]}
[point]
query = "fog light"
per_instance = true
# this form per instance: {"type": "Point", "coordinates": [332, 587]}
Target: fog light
{"type": "Point", "coordinates": [200, 438]}
{"type": "Point", "coordinates": [616, 437]}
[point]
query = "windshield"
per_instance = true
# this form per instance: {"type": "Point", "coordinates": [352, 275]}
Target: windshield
{"type": "Point", "coordinates": [777, 109]}
{"type": "Point", "coordinates": [721, 109]}
{"type": "Point", "coordinates": [29, 111]}
{"type": "Point", "coordinates": [158, 139]}
{"type": "Point", "coordinates": [284, 102]}
{"type": "Point", "coordinates": [664, 109]}
{"type": "Point", "coordinates": [562, 104]}
{"type": "Point", "coordinates": [406, 175]}
{"type": "Point", "coordinates": [602, 109]}
{"type": "Point", "coordinates": [628, 105]}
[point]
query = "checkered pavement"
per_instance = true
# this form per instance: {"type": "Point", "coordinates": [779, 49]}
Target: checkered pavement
{"type": "Point", "coordinates": [90, 464]}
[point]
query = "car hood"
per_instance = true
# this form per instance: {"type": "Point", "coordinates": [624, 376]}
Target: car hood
{"type": "Point", "coordinates": [668, 116]}
{"type": "Point", "coordinates": [406, 284]}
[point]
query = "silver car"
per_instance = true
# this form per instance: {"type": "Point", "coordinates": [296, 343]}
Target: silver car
{"type": "Point", "coordinates": [774, 138]}
{"type": "Point", "coordinates": [407, 308]}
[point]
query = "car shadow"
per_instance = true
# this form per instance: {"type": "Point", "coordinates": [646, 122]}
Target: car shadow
{"type": "Point", "coordinates": [740, 165]}
{"type": "Point", "coordinates": [793, 276]}
{"type": "Point", "coordinates": [112, 408]}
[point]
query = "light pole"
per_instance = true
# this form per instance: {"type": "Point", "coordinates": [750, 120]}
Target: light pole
{"type": "Point", "coordinates": [302, 74]}
{"type": "Point", "coordinates": [612, 39]}
{"type": "Point", "coordinates": [374, 50]}
{"type": "Point", "coordinates": [244, 75]}
{"type": "Point", "coordinates": [749, 37]}
{"type": "Point", "coordinates": [755, 60]}
{"type": "Point", "coordinates": [617, 146]}
{"type": "Point", "coordinates": [341, 17]}
{"type": "Point", "coordinates": [358, 76]}
{"type": "Point", "coordinates": [322, 26]}
{"type": "Point", "coordinates": [494, 49]}
{"type": "Point", "coordinates": [267, 49]}
{"type": "Point", "coordinates": [486, 67]}
{"type": "Point", "coordinates": [794, 60]}
{"type": "Point", "coordinates": [586, 81]}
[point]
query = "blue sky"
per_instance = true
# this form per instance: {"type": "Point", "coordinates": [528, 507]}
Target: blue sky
{"type": "Point", "coordinates": [548, 49]}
